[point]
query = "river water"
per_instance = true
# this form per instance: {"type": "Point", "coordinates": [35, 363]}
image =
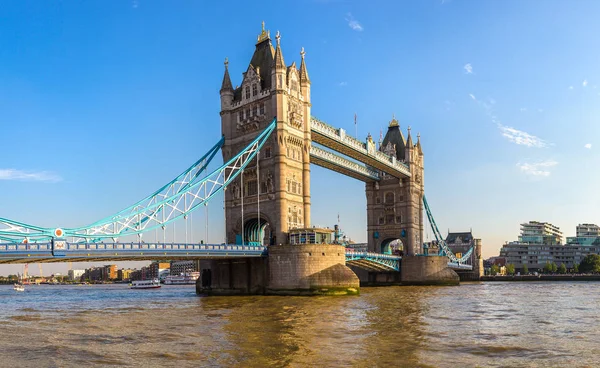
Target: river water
{"type": "Point", "coordinates": [532, 324]}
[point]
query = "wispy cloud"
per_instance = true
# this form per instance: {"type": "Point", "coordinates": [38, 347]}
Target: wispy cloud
{"type": "Point", "coordinates": [540, 110]}
{"type": "Point", "coordinates": [468, 68]}
{"type": "Point", "coordinates": [588, 146]}
{"type": "Point", "coordinates": [521, 138]}
{"type": "Point", "coordinates": [584, 83]}
{"type": "Point", "coordinates": [537, 169]}
{"type": "Point", "coordinates": [523, 109]}
{"type": "Point", "coordinates": [570, 87]}
{"type": "Point", "coordinates": [135, 4]}
{"type": "Point", "coordinates": [343, 84]}
{"type": "Point", "coordinates": [353, 23]}
{"type": "Point", "coordinates": [13, 174]}
{"type": "Point", "coordinates": [513, 135]}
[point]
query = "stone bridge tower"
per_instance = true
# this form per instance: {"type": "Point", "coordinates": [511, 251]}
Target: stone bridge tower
{"type": "Point", "coordinates": [269, 89]}
{"type": "Point", "coordinates": [395, 205]}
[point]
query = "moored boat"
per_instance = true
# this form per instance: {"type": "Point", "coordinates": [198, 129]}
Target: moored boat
{"type": "Point", "coordinates": [188, 278]}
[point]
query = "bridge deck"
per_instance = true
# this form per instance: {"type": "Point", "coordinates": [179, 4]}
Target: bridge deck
{"type": "Point", "coordinates": [95, 252]}
{"type": "Point", "coordinates": [342, 165]}
{"type": "Point", "coordinates": [338, 140]}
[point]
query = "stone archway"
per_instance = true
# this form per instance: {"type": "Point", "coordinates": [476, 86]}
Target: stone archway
{"type": "Point", "coordinates": [257, 232]}
{"type": "Point", "coordinates": [392, 246]}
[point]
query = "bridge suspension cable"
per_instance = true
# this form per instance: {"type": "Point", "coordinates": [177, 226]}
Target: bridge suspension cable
{"type": "Point", "coordinates": [172, 201]}
{"type": "Point", "coordinates": [444, 249]}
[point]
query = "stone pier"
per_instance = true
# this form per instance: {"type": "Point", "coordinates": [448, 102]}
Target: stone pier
{"type": "Point", "coordinates": [305, 269]}
{"type": "Point", "coordinates": [427, 270]}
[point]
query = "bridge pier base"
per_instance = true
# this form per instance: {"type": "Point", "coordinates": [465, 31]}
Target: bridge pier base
{"type": "Point", "coordinates": [427, 270]}
{"type": "Point", "coordinates": [304, 269]}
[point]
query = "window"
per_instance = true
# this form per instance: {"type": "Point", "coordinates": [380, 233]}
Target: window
{"type": "Point", "coordinates": [263, 188]}
{"type": "Point", "coordinates": [389, 219]}
{"type": "Point", "coordinates": [248, 113]}
{"type": "Point", "coordinates": [381, 221]}
{"type": "Point", "coordinates": [251, 188]}
{"type": "Point", "coordinates": [294, 86]}
{"type": "Point", "coordinates": [268, 152]}
{"type": "Point", "coordinates": [254, 90]}
{"type": "Point", "coordinates": [240, 116]}
{"type": "Point", "coordinates": [389, 198]}
{"type": "Point", "coordinates": [247, 92]}
{"type": "Point", "coordinates": [280, 84]}
{"type": "Point", "coordinates": [378, 200]}
{"type": "Point", "coordinates": [398, 219]}
{"type": "Point", "coordinates": [294, 189]}
{"type": "Point", "coordinates": [262, 108]}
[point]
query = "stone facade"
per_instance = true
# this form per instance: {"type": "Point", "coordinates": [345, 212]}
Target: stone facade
{"type": "Point", "coordinates": [282, 179]}
{"type": "Point", "coordinates": [395, 205]}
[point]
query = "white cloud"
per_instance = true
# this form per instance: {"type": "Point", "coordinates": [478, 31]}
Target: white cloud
{"type": "Point", "coordinates": [537, 169]}
{"type": "Point", "coordinates": [472, 96]}
{"type": "Point", "coordinates": [521, 138]}
{"type": "Point", "coordinates": [492, 101]}
{"type": "Point", "coordinates": [353, 23]}
{"type": "Point", "coordinates": [540, 110]}
{"type": "Point", "coordinates": [523, 109]}
{"type": "Point", "coordinates": [588, 146]}
{"type": "Point", "coordinates": [13, 174]}
{"type": "Point", "coordinates": [570, 87]}
{"type": "Point", "coordinates": [134, 4]}
{"type": "Point", "coordinates": [584, 83]}
{"type": "Point", "coordinates": [343, 84]}
{"type": "Point", "coordinates": [468, 68]}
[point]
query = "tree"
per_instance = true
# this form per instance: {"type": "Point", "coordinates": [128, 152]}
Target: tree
{"type": "Point", "coordinates": [576, 268]}
{"type": "Point", "coordinates": [590, 264]}
{"type": "Point", "coordinates": [554, 267]}
{"type": "Point", "coordinates": [525, 269]}
{"type": "Point", "coordinates": [562, 269]}
{"type": "Point", "coordinates": [494, 270]}
{"type": "Point", "coordinates": [510, 269]}
{"type": "Point", "coordinates": [548, 267]}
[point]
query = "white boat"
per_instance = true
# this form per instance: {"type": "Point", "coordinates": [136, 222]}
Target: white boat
{"type": "Point", "coordinates": [19, 287]}
{"type": "Point", "coordinates": [145, 284]}
{"type": "Point", "coordinates": [183, 279]}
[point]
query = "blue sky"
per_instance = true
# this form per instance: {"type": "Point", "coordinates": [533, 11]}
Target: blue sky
{"type": "Point", "coordinates": [103, 102]}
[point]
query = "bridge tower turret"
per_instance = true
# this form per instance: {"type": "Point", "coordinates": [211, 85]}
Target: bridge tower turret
{"type": "Point", "coordinates": [394, 205]}
{"type": "Point", "coordinates": [269, 89]}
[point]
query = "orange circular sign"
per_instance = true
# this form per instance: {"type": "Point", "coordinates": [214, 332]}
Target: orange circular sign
{"type": "Point", "coordinates": [58, 232]}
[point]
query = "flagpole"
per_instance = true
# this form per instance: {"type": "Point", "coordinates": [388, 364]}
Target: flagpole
{"type": "Point", "coordinates": [355, 127]}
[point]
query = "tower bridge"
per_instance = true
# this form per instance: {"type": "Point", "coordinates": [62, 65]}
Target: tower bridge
{"type": "Point", "coordinates": [265, 181]}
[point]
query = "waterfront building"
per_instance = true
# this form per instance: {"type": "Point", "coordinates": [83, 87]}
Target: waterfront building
{"type": "Point", "coordinates": [537, 246]}
{"type": "Point", "coordinates": [124, 274]}
{"type": "Point", "coordinates": [534, 232]}
{"type": "Point", "coordinates": [182, 267]}
{"type": "Point", "coordinates": [75, 275]}
{"type": "Point", "coordinates": [586, 235]}
{"type": "Point", "coordinates": [156, 269]}
{"type": "Point", "coordinates": [109, 272]}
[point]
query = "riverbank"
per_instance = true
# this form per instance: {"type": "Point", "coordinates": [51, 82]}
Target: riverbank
{"type": "Point", "coordinates": [542, 278]}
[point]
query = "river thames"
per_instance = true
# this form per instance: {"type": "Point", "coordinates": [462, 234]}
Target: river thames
{"type": "Point", "coordinates": [533, 324]}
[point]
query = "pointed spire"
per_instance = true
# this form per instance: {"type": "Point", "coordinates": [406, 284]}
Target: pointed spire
{"type": "Point", "coordinates": [303, 73]}
{"type": "Point", "coordinates": [409, 142]}
{"type": "Point", "coordinates": [279, 63]}
{"type": "Point", "coordinates": [264, 35]}
{"type": "Point", "coordinates": [226, 85]}
{"type": "Point", "coordinates": [419, 149]}
{"type": "Point", "coordinates": [394, 122]}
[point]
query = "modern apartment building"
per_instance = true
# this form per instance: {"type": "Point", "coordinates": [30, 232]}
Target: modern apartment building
{"type": "Point", "coordinates": [534, 232]}
{"type": "Point", "coordinates": [540, 243]}
{"type": "Point", "coordinates": [75, 275]}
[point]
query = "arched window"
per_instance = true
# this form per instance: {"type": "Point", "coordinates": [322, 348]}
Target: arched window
{"type": "Point", "coordinates": [389, 198]}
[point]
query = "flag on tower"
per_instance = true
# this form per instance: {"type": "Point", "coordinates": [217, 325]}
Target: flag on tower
{"type": "Point", "coordinates": [354, 118]}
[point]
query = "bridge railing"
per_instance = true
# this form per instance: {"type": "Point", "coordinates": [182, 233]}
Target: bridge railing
{"type": "Point", "coordinates": [18, 247]}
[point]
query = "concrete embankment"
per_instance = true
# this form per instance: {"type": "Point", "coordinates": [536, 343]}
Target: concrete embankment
{"type": "Point", "coordinates": [542, 278]}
